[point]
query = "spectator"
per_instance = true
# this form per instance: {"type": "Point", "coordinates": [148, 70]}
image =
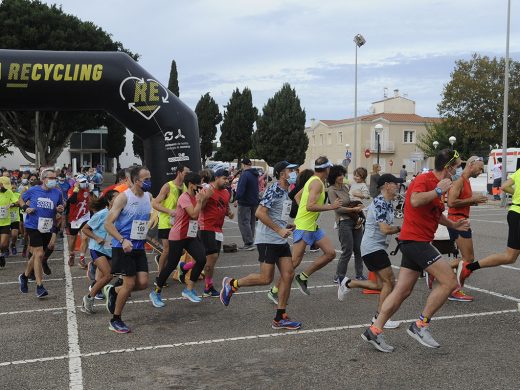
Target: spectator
{"type": "Point", "coordinates": [247, 197]}
{"type": "Point", "coordinates": [358, 189]}
{"type": "Point", "coordinates": [374, 177]}
{"type": "Point", "coordinates": [497, 179]}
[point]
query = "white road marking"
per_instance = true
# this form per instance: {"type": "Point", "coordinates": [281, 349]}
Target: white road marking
{"type": "Point", "coordinates": [32, 311]}
{"type": "Point", "coordinates": [510, 267]}
{"type": "Point", "coordinates": [245, 338]}
{"type": "Point", "coordinates": [485, 220]}
{"type": "Point", "coordinates": [75, 370]}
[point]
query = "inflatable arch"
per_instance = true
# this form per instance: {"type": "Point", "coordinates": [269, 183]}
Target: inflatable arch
{"type": "Point", "coordinates": [105, 81]}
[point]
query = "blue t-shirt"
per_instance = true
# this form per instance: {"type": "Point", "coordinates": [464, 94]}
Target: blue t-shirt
{"type": "Point", "coordinates": [133, 220]}
{"type": "Point", "coordinates": [44, 202]}
{"type": "Point", "coordinates": [380, 210]}
{"type": "Point", "coordinates": [65, 187]}
{"type": "Point", "coordinates": [274, 199]}
{"type": "Point", "coordinates": [97, 224]}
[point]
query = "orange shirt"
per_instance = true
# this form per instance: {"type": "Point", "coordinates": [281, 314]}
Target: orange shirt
{"type": "Point", "coordinates": [121, 188]}
{"type": "Point", "coordinates": [461, 212]}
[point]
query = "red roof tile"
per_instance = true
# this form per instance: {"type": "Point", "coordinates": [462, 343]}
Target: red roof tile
{"type": "Point", "coordinates": [410, 118]}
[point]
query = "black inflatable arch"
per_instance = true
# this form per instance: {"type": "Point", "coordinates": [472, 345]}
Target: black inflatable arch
{"type": "Point", "coordinates": [108, 81]}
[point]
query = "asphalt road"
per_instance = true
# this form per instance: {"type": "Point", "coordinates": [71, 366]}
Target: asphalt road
{"type": "Point", "coordinates": [51, 344]}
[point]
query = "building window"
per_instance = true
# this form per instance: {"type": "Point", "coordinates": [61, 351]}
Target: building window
{"type": "Point", "coordinates": [340, 137]}
{"type": "Point", "coordinates": [321, 139]}
{"type": "Point", "coordinates": [314, 140]}
{"type": "Point", "coordinates": [409, 137]}
{"type": "Point", "coordinates": [329, 139]}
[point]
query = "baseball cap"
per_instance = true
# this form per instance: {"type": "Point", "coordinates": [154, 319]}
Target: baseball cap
{"type": "Point", "coordinates": [280, 166]}
{"type": "Point", "coordinates": [388, 178]}
{"type": "Point", "coordinates": [6, 182]}
{"type": "Point", "coordinates": [221, 172]}
{"type": "Point", "coordinates": [246, 161]}
{"type": "Point", "coordinates": [81, 179]}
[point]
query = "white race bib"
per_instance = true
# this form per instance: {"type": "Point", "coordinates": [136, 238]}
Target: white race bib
{"type": "Point", "coordinates": [139, 230]}
{"type": "Point", "coordinates": [286, 210]}
{"type": "Point", "coordinates": [4, 212]}
{"type": "Point", "coordinates": [219, 236]}
{"type": "Point", "coordinates": [14, 215]}
{"type": "Point", "coordinates": [193, 228]}
{"type": "Point", "coordinates": [45, 224]}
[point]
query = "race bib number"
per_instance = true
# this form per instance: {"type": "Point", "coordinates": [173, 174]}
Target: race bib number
{"type": "Point", "coordinates": [286, 210]}
{"type": "Point", "coordinates": [4, 212]}
{"type": "Point", "coordinates": [45, 225]}
{"type": "Point", "coordinates": [108, 242]}
{"type": "Point", "coordinates": [139, 230]}
{"type": "Point", "coordinates": [219, 236]}
{"type": "Point", "coordinates": [193, 228]}
{"type": "Point", "coordinates": [13, 215]}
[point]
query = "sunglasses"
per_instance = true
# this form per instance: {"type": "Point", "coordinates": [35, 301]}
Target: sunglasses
{"type": "Point", "coordinates": [455, 157]}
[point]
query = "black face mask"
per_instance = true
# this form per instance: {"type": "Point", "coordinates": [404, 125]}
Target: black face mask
{"type": "Point", "coordinates": [3, 189]}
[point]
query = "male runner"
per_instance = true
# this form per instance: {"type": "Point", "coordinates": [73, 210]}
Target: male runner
{"type": "Point", "coordinates": [127, 224]}
{"type": "Point", "coordinates": [422, 215]}
{"type": "Point", "coordinates": [272, 231]}
{"type": "Point", "coordinates": [40, 203]}
{"type": "Point", "coordinates": [211, 220]}
{"type": "Point", "coordinates": [78, 216]}
{"type": "Point", "coordinates": [166, 203]}
{"type": "Point", "coordinates": [7, 199]}
{"type": "Point", "coordinates": [510, 255]}
{"type": "Point", "coordinates": [14, 213]}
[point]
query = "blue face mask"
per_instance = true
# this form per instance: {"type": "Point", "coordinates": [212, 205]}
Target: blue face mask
{"type": "Point", "coordinates": [292, 178]}
{"type": "Point", "coordinates": [51, 183]}
{"type": "Point", "coordinates": [147, 185]}
{"type": "Point", "coordinates": [458, 173]}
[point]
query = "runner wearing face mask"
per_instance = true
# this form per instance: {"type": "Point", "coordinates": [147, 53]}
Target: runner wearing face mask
{"type": "Point", "coordinates": [78, 216]}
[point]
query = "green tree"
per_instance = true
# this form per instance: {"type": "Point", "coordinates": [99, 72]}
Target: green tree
{"type": "Point", "coordinates": [116, 139]}
{"type": "Point", "coordinates": [209, 117]}
{"type": "Point", "coordinates": [472, 103]}
{"type": "Point", "coordinates": [173, 83]}
{"type": "Point", "coordinates": [138, 147]}
{"type": "Point", "coordinates": [280, 133]}
{"type": "Point", "coordinates": [237, 127]}
{"type": "Point", "coordinates": [32, 25]}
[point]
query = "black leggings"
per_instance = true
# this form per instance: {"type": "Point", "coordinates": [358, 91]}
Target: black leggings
{"type": "Point", "coordinates": [194, 247]}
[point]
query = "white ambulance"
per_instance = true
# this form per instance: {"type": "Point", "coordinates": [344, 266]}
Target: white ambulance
{"type": "Point", "coordinates": [495, 157]}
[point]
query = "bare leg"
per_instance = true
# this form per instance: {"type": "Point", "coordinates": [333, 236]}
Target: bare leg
{"type": "Point", "coordinates": [286, 277]}
{"type": "Point", "coordinates": [209, 269]}
{"type": "Point", "coordinates": [263, 278]}
{"type": "Point", "coordinates": [509, 256]}
{"type": "Point", "coordinates": [329, 253]}
{"type": "Point", "coordinates": [163, 259]}
{"type": "Point", "coordinates": [465, 246]}
{"type": "Point", "coordinates": [123, 292]}
{"type": "Point", "coordinates": [447, 282]}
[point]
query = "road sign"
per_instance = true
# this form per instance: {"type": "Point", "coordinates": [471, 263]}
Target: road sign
{"type": "Point", "coordinates": [367, 153]}
{"type": "Point", "coordinates": [348, 155]}
{"type": "Point", "coordinates": [346, 162]}
{"type": "Point", "coordinates": [417, 156]}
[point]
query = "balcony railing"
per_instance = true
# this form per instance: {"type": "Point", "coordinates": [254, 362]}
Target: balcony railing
{"type": "Point", "coordinates": [386, 146]}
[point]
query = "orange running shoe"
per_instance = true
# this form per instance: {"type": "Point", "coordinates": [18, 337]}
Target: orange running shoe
{"type": "Point", "coordinates": [462, 272]}
{"type": "Point", "coordinates": [459, 296]}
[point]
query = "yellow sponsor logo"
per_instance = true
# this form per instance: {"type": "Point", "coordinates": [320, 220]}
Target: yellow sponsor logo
{"type": "Point", "coordinates": [143, 96]}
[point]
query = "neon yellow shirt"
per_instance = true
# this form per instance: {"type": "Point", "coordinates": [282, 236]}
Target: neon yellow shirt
{"type": "Point", "coordinates": [516, 196]}
{"type": "Point", "coordinates": [14, 212]}
{"type": "Point", "coordinates": [6, 198]}
{"type": "Point", "coordinates": [170, 203]}
{"type": "Point", "coordinates": [306, 220]}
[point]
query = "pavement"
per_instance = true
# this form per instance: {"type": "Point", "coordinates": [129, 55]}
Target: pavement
{"type": "Point", "coordinates": [51, 344]}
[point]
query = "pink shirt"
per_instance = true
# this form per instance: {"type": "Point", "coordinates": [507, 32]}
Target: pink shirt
{"type": "Point", "coordinates": [179, 230]}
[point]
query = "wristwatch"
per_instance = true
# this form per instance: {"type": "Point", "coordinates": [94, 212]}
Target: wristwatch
{"type": "Point", "coordinates": [438, 191]}
{"type": "Point", "coordinates": [121, 241]}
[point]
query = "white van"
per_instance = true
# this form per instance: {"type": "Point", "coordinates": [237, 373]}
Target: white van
{"type": "Point", "coordinates": [513, 162]}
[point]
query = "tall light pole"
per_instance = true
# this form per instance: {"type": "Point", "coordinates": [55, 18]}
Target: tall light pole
{"type": "Point", "coordinates": [359, 40]}
{"type": "Point", "coordinates": [506, 105]}
{"type": "Point", "coordinates": [379, 130]}
{"type": "Point", "coordinates": [452, 140]}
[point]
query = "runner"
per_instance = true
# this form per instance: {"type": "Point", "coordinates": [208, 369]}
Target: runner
{"type": "Point", "coordinates": [183, 236]}
{"type": "Point", "coordinates": [100, 245]}
{"type": "Point", "coordinates": [166, 203]}
{"type": "Point", "coordinates": [378, 231]}
{"type": "Point", "coordinates": [7, 200]}
{"type": "Point", "coordinates": [211, 220]}
{"type": "Point", "coordinates": [311, 202]}
{"type": "Point", "coordinates": [41, 203]}
{"type": "Point", "coordinates": [127, 224]}
{"type": "Point", "coordinates": [460, 198]}
{"type": "Point", "coordinates": [510, 255]}
{"type": "Point", "coordinates": [78, 216]}
{"type": "Point", "coordinates": [272, 231]}
{"type": "Point", "coordinates": [14, 213]}
{"type": "Point", "coordinates": [422, 215]}
{"type": "Point", "coordinates": [121, 178]}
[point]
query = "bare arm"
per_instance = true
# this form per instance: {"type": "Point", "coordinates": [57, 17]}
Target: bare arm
{"type": "Point", "coordinates": [388, 229]}
{"type": "Point", "coordinates": [87, 231]}
{"type": "Point", "coordinates": [163, 194]}
{"type": "Point", "coordinates": [454, 193]}
{"type": "Point", "coordinates": [333, 196]}
{"type": "Point", "coordinates": [117, 207]}
{"type": "Point", "coordinates": [508, 186]}
{"type": "Point", "coordinates": [314, 193]}
{"type": "Point", "coordinates": [298, 196]}
{"type": "Point", "coordinates": [418, 199]}
{"type": "Point", "coordinates": [263, 215]}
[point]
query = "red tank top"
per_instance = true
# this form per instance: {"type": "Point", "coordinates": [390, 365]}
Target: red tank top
{"type": "Point", "coordinates": [461, 212]}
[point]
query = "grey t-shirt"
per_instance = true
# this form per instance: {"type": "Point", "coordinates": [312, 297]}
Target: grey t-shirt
{"type": "Point", "coordinates": [373, 239]}
{"type": "Point", "coordinates": [275, 199]}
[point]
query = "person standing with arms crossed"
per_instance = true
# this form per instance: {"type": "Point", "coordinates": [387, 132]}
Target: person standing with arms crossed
{"type": "Point", "coordinates": [247, 198]}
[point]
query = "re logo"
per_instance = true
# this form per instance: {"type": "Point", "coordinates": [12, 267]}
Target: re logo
{"type": "Point", "coordinates": [145, 97]}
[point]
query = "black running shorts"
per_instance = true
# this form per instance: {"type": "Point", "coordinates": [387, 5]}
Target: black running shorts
{"type": "Point", "coordinates": [37, 239]}
{"type": "Point", "coordinates": [418, 255]}
{"type": "Point", "coordinates": [513, 238]}
{"type": "Point", "coordinates": [128, 264]}
{"type": "Point", "coordinates": [163, 233]}
{"type": "Point", "coordinates": [376, 261]}
{"type": "Point", "coordinates": [271, 253]}
{"type": "Point", "coordinates": [211, 245]}
{"type": "Point", "coordinates": [5, 229]}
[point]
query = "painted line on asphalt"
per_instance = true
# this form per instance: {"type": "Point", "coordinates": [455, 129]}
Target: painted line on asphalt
{"type": "Point", "coordinates": [485, 220]}
{"type": "Point", "coordinates": [7, 313]}
{"type": "Point", "coordinates": [263, 336]}
{"type": "Point", "coordinates": [75, 370]}
{"type": "Point", "coordinates": [510, 267]}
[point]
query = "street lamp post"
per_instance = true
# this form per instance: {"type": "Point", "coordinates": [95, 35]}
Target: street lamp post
{"type": "Point", "coordinates": [359, 40]}
{"type": "Point", "coordinates": [452, 140]}
{"type": "Point", "coordinates": [379, 130]}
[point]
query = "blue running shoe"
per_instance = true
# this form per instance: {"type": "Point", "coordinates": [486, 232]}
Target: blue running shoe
{"type": "Point", "coordinates": [110, 294]}
{"type": "Point", "coordinates": [99, 296]}
{"type": "Point", "coordinates": [226, 292]}
{"type": "Point", "coordinates": [14, 251]}
{"type": "Point", "coordinates": [91, 271]}
{"type": "Point", "coordinates": [210, 292]}
{"type": "Point", "coordinates": [286, 323]}
{"type": "Point", "coordinates": [155, 297]}
{"type": "Point", "coordinates": [191, 295]}
{"type": "Point", "coordinates": [22, 280]}
{"type": "Point", "coordinates": [181, 274]}
{"type": "Point", "coordinates": [41, 291]}
{"type": "Point", "coordinates": [118, 326]}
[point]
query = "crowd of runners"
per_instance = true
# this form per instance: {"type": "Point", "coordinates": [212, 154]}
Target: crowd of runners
{"type": "Point", "coordinates": [112, 229]}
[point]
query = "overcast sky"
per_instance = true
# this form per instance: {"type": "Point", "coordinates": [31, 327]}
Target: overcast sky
{"type": "Point", "coordinates": [221, 45]}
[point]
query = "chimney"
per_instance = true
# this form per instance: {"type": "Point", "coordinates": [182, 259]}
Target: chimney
{"type": "Point", "coordinates": [396, 93]}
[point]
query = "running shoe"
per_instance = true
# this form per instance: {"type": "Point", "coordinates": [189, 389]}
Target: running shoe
{"type": "Point", "coordinates": [462, 272]}
{"type": "Point", "coordinates": [91, 271]}
{"type": "Point", "coordinates": [41, 291]}
{"type": "Point", "coordinates": [378, 341]}
{"type": "Point", "coordinates": [429, 278]}
{"type": "Point", "coordinates": [82, 262]}
{"type": "Point", "coordinates": [118, 326]}
{"type": "Point", "coordinates": [389, 324]}
{"type": "Point", "coordinates": [343, 289]}
{"type": "Point", "coordinates": [87, 305]}
{"type": "Point", "coordinates": [302, 285]}
{"type": "Point", "coordinates": [181, 274]}
{"type": "Point", "coordinates": [2, 261]}
{"type": "Point", "coordinates": [459, 296]}
{"type": "Point", "coordinates": [6, 253]}
{"type": "Point", "coordinates": [14, 252]}
{"type": "Point", "coordinates": [422, 335]}
{"type": "Point", "coordinates": [286, 323]}
{"type": "Point", "coordinates": [155, 297]}
{"type": "Point", "coordinates": [191, 295]}
{"type": "Point", "coordinates": [210, 292]}
{"type": "Point", "coordinates": [99, 296]}
{"type": "Point", "coordinates": [336, 279]}
{"type": "Point", "coordinates": [110, 293]}
{"type": "Point", "coordinates": [314, 248]}
{"type": "Point", "coordinates": [226, 292]}
{"type": "Point", "coordinates": [46, 268]}
{"type": "Point", "coordinates": [31, 277]}
{"type": "Point", "coordinates": [273, 296]}
{"type": "Point", "coordinates": [361, 277]}
{"type": "Point", "coordinates": [249, 247]}
{"type": "Point", "coordinates": [71, 259]}
{"type": "Point", "coordinates": [22, 280]}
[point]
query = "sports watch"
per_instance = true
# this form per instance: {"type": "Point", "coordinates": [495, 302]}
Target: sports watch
{"type": "Point", "coordinates": [438, 191]}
